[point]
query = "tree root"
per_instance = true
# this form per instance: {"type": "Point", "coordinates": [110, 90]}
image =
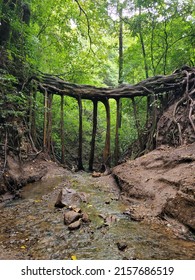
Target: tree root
{"type": "Point", "coordinates": [186, 98]}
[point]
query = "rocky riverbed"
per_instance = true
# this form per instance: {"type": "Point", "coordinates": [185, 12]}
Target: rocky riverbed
{"type": "Point", "coordinates": [33, 227]}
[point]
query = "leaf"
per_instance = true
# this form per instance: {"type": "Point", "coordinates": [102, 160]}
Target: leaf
{"type": "Point", "coordinates": [73, 257]}
{"type": "Point", "coordinates": [89, 205]}
{"type": "Point", "coordinates": [23, 247]}
{"type": "Point", "coordinates": [37, 200]}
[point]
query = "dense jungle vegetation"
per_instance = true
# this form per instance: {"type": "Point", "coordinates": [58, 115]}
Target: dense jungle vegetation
{"type": "Point", "coordinates": [100, 43]}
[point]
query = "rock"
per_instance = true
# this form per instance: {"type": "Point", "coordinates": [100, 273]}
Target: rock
{"type": "Point", "coordinates": [102, 216]}
{"type": "Point", "coordinates": [71, 216]}
{"type": "Point", "coordinates": [78, 210]}
{"type": "Point", "coordinates": [96, 174]}
{"type": "Point", "coordinates": [133, 215]}
{"type": "Point", "coordinates": [83, 196]}
{"type": "Point", "coordinates": [85, 218]}
{"type": "Point", "coordinates": [59, 202]}
{"type": "Point", "coordinates": [121, 246]}
{"type": "Point", "coordinates": [107, 202]}
{"type": "Point", "coordinates": [75, 225]}
{"type": "Point", "coordinates": [110, 219]}
{"type": "Point", "coordinates": [69, 197]}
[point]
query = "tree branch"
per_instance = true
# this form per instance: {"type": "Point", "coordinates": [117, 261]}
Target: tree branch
{"type": "Point", "coordinates": [88, 24]}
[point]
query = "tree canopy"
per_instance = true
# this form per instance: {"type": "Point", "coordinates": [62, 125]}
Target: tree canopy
{"type": "Point", "coordinates": [79, 39]}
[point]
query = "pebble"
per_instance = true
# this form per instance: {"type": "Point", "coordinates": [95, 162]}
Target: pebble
{"type": "Point", "coordinates": [75, 225]}
{"type": "Point", "coordinates": [71, 216]}
{"type": "Point", "coordinates": [121, 246]}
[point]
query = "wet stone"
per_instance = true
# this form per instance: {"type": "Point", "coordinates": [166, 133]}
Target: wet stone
{"type": "Point", "coordinates": [78, 210]}
{"type": "Point", "coordinates": [70, 198]}
{"type": "Point", "coordinates": [71, 216]}
{"type": "Point", "coordinates": [121, 246]}
{"type": "Point", "coordinates": [96, 174]}
{"type": "Point", "coordinates": [75, 225]}
{"type": "Point", "coordinates": [85, 218]}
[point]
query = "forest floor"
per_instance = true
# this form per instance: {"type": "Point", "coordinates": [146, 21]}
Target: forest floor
{"type": "Point", "coordinates": [157, 188]}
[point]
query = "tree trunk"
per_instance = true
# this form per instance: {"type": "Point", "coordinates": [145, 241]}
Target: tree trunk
{"type": "Point", "coordinates": [45, 121]}
{"type": "Point", "coordinates": [106, 153]}
{"type": "Point", "coordinates": [80, 150]}
{"type": "Point", "coordinates": [143, 45]}
{"type": "Point", "coordinates": [5, 27]}
{"type": "Point", "coordinates": [137, 123]}
{"type": "Point", "coordinates": [116, 151]}
{"type": "Point", "coordinates": [152, 48]}
{"type": "Point", "coordinates": [121, 58]}
{"type": "Point", "coordinates": [120, 76]}
{"type": "Point", "coordinates": [166, 49]}
{"type": "Point", "coordinates": [18, 8]}
{"type": "Point", "coordinates": [145, 63]}
{"type": "Point", "coordinates": [33, 119]}
{"type": "Point", "coordinates": [62, 130]}
{"type": "Point", "coordinates": [92, 152]}
{"type": "Point", "coordinates": [49, 123]}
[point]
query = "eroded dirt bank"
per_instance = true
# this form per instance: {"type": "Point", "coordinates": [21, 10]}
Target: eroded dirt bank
{"type": "Point", "coordinates": [161, 184]}
{"type": "Point", "coordinates": [20, 173]}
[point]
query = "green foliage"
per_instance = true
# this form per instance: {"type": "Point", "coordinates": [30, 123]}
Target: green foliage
{"type": "Point", "coordinates": [13, 104]}
{"type": "Point", "coordinates": [78, 40]}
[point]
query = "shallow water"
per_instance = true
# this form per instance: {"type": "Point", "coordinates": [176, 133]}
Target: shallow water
{"type": "Point", "coordinates": [34, 227]}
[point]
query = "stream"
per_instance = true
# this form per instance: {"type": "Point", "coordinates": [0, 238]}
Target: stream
{"type": "Point", "coordinates": [32, 228]}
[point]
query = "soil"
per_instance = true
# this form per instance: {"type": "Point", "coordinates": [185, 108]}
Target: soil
{"type": "Point", "coordinates": [161, 184]}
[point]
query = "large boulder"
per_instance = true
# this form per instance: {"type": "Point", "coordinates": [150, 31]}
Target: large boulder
{"type": "Point", "coordinates": [69, 197]}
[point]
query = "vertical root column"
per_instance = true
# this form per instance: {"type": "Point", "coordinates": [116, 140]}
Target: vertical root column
{"type": "Point", "coordinates": [92, 152]}
{"type": "Point", "coordinates": [116, 151]}
{"type": "Point", "coordinates": [80, 150]}
{"type": "Point", "coordinates": [33, 119]}
{"type": "Point", "coordinates": [45, 121]}
{"type": "Point", "coordinates": [106, 152]}
{"type": "Point", "coordinates": [47, 129]}
{"type": "Point", "coordinates": [137, 123]}
{"type": "Point", "coordinates": [62, 130]}
{"type": "Point", "coordinates": [49, 123]}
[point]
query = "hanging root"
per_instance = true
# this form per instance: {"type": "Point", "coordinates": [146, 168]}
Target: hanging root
{"type": "Point", "coordinates": [190, 105]}
{"type": "Point", "coordinates": [175, 119]}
